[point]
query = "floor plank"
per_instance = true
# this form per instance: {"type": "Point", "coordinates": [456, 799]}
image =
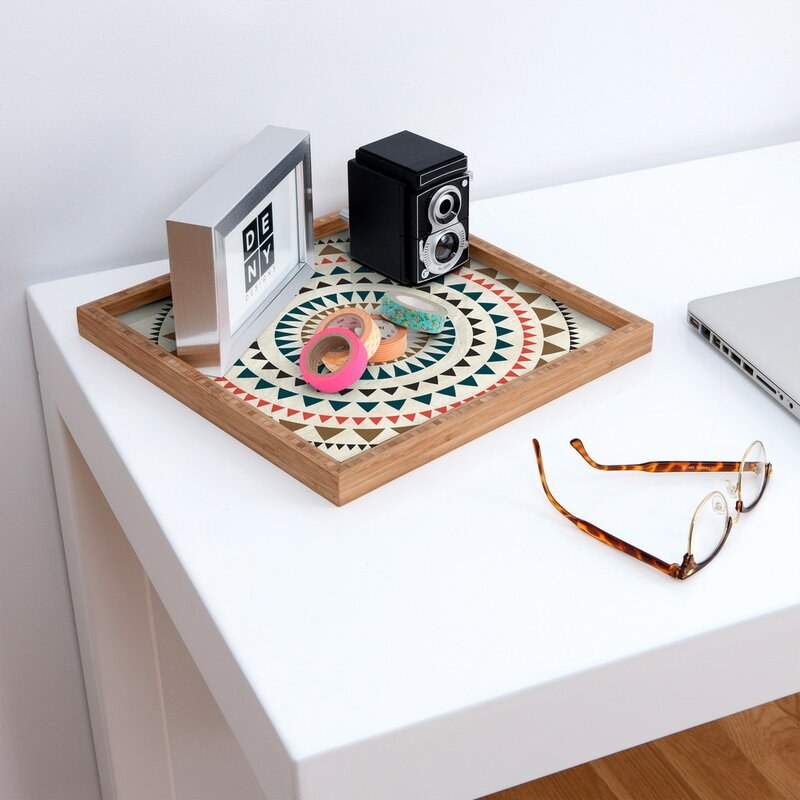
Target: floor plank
{"type": "Point", "coordinates": [753, 755]}
{"type": "Point", "coordinates": [579, 782]}
{"type": "Point", "coordinates": [768, 737]}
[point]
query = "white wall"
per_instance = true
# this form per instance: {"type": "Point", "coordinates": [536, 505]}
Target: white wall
{"type": "Point", "coordinates": [112, 111]}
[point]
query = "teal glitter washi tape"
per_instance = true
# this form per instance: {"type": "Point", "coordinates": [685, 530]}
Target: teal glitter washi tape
{"type": "Point", "coordinates": [414, 311]}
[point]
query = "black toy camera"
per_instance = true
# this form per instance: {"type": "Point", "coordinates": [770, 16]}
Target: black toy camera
{"type": "Point", "coordinates": [409, 207]}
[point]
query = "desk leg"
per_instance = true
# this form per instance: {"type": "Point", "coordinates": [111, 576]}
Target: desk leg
{"type": "Point", "coordinates": [114, 619]}
{"type": "Point", "coordinates": [158, 733]}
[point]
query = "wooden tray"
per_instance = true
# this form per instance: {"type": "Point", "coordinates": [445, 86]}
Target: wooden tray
{"type": "Point", "coordinates": [255, 421]}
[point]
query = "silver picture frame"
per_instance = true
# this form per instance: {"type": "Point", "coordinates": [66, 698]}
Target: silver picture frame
{"type": "Point", "coordinates": [240, 248]}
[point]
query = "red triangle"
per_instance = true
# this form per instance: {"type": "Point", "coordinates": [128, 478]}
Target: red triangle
{"type": "Point", "coordinates": [290, 412]}
{"type": "Point", "coordinates": [428, 413]}
{"type": "Point", "coordinates": [376, 420]}
{"type": "Point", "coordinates": [307, 415]}
{"type": "Point", "coordinates": [409, 416]}
{"type": "Point", "coordinates": [326, 261]}
{"type": "Point", "coordinates": [342, 420]}
{"type": "Point", "coordinates": [324, 417]}
{"type": "Point", "coordinates": [393, 420]}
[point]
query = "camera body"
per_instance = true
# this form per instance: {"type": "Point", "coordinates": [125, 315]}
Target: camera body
{"type": "Point", "coordinates": [409, 207]}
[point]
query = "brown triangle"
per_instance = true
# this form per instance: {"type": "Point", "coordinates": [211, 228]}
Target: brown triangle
{"type": "Point", "coordinates": [327, 433]}
{"type": "Point", "coordinates": [544, 313]}
{"type": "Point", "coordinates": [292, 426]}
{"type": "Point", "coordinates": [529, 297]}
{"type": "Point", "coordinates": [512, 283]}
{"type": "Point", "coordinates": [368, 434]}
{"type": "Point", "coordinates": [551, 330]}
{"type": "Point", "coordinates": [329, 249]}
{"type": "Point", "coordinates": [549, 348]}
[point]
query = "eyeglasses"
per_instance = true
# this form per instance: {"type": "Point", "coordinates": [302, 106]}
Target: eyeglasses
{"type": "Point", "coordinates": [712, 521]}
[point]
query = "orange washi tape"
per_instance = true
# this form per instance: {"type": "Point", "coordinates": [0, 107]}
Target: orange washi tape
{"type": "Point", "coordinates": [394, 341]}
{"type": "Point", "coordinates": [360, 323]}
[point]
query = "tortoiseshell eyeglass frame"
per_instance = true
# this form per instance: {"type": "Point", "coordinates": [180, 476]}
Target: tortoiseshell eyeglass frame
{"type": "Point", "coordinates": [688, 565]}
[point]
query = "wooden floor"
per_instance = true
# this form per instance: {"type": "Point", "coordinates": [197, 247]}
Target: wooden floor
{"type": "Point", "coordinates": [754, 755]}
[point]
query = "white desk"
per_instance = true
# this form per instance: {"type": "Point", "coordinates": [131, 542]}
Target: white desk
{"type": "Point", "coordinates": [449, 634]}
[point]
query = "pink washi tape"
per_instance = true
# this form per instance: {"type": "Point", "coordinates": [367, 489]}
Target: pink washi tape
{"type": "Point", "coordinates": [351, 369]}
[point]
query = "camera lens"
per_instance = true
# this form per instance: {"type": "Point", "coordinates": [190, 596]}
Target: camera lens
{"type": "Point", "coordinates": [446, 247]}
{"type": "Point", "coordinates": [445, 205]}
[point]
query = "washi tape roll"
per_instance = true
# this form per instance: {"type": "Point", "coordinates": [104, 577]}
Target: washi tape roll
{"type": "Point", "coordinates": [394, 341]}
{"type": "Point", "coordinates": [356, 320]}
{"type": "Point", "coordinates": [351, 369]}
{"type": "Point", "coordinates": [413, 311]}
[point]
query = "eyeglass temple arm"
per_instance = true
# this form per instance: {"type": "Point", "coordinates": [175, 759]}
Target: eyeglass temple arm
{"type": "Point", "coordinates": [598, 533]}
{"type": "Point", "coordinates": [662, 466]}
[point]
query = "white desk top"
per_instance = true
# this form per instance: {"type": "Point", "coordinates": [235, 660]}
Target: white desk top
{"type": "Point", "coordinates": [450, 634]}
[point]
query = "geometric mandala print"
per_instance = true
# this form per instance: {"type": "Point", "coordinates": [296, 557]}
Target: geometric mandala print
{"type": "Point", "coordinates": [497, 329]}
{"type": "Point", "coordinates": [155, 322]}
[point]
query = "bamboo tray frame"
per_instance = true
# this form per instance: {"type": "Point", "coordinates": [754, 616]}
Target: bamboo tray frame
{"type": "Point", "coordinates": [341, 482]}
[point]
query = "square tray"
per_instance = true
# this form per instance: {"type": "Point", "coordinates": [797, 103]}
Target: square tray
{"type": "Point", "coordinates": [517, 337]}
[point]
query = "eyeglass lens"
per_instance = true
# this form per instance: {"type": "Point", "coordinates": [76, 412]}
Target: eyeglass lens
{"type": "Point", "coordinates": [709, 525]}
{"type": "Point", "coordinates": [752, 474]}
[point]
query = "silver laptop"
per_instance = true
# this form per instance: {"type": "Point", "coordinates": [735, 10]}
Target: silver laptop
{"type": "Point", "coordinates": [758, 330]}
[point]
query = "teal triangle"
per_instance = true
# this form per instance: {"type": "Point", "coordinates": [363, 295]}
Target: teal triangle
{"type": "Point", "coordinates": [367, 406]}
{"type": "Point", "coordinates": [311, 401]}
{"type": "Point", "coordinates": [338, 405]}
{"type": "Point", "coordinates": [425, 399]}
{"type": "Point", "coordinates": [262, 384]}
{"type": "Point", "coordinates": [284, 393]}
{"type": "Point", "coordinates": [469, 381]}
{"type": "Point", "coordinates": [448, 390]}
{"type": "Point", "coordinates": [396, 404]}
{"type": "Point", "coordinates": [497, 357]}
{"type": "Point", "coordinates": [497, 318]}
{"type": "Point", "coordinates": [504, 331]}
{"type": "Point", "coordinates": [289, 315]}
{"type": "Point", "coordinates": [485, 370]}
{"type": "Point", "coordinates": [500, 345]}
{"type": "Point", "coordinates": [383, 374]}
{"type": "Point", "coordinates": [246, 373]}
